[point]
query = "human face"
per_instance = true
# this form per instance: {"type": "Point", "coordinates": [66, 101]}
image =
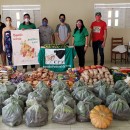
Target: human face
{"type": "Point", "coordinates": [62, 19]}
{"type": "Point", "coordinates": [98, 17]}
{"type": "Point", "coordinates": [26, 19]}
{"type": "Point", "coordinates": [44, 23]}
{"type": "Point", "coordinates": [8, 22]}
{"type": "Point", "coordinates": [79, 24]}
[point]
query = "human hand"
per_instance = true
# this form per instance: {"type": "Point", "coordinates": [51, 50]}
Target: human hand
{"type": "Point", "coordinates": [4, 48]}
{"type": "Point", "coordinates": [89, 44]}
{"type": "Point", "coordinates": [85, 48]}
{"type": "Point", "coordinates": [103, 44]}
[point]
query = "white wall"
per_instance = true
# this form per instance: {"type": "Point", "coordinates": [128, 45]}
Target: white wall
{"type": "Point", "coordinates": [75, 9]}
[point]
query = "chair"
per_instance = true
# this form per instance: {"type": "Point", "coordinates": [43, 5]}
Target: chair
{"type": "Point", "coordinates": [117, 56]}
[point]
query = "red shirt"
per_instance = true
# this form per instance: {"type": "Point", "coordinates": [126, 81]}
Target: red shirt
{"type": "Point", "coordinates": [98, 30]}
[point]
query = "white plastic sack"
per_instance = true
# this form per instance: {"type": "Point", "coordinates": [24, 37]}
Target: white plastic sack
{"type": "Point", "coordinates": [120, 49]}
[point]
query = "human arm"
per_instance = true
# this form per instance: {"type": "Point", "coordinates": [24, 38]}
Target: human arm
{"type": "Point", "coordinates": [90, 38]}
{"type": "Point", "coordinates": [105, 37]}
{"type": "Point", "coordinates": [86, 44]}
{"type": "Point", "coordinates": [3, 31]}
{"type": "Point", "coordinates": [72, 41]}
{"type": "Point", "coordinates": [53, 38]}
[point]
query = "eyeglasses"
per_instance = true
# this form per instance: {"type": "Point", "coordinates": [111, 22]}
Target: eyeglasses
{"type": "Point", "coordinates": [78, 23]}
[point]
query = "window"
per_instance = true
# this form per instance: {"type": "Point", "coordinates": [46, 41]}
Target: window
{"type": "Point", "coordinates": [116, 15]}
{"type": "Point", "coordinates": [16, 12]}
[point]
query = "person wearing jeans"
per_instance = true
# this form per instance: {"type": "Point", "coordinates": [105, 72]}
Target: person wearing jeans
{"type": "Point", "coordinates": [80, 41]}
{"type": "Point", "coordinates": [98, 37]}
{"type": "Point", "coordinates": [27, 25]}
{"type": "Point", "coordinates": [98, 46]}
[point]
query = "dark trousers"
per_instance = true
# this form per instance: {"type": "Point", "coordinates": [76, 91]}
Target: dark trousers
{"type": "Point", "coordinates": [81, 55]}
{"type": "Point", "coordinates": [25, 66]}
{"type": "Point", "coordinates": [97, 45]}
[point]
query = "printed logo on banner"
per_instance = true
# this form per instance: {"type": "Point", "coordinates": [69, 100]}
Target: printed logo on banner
{"type": "Point", "coordinates": [55, 56]}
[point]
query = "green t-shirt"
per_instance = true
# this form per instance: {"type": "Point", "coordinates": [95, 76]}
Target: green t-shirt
{"type": "Point", "coordinates": [25, 26]}
{"type": "Point", "coordinates": [80, 38]}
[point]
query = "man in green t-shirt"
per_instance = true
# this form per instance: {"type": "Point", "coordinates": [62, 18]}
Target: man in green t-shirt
{"type": "Point", "coordinates": [27, 25]}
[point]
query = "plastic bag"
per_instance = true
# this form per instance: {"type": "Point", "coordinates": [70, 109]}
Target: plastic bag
{"type": "Point", "coordinates": [61, 93]}
{"type": "Point", "coordinates": [40, 85]}
{"type": "Point", "coordinates": [31, 102]}
{"type": "Point", "coordinates": [113, 97]}
{"type": "Point", "coordinates": [102, 90]}
{"type": "Point", "coordinates": [92, 98]}
{"type": "Point", "coordinates": [36, 116]}
{"type": "Point", "coordinates": [3, 97]}
{"type": "Point", "coordinates": [61, 84]}
{"type": "Point", "coordinates": [81, 93]}
{"type": "Point", "coordinates": [10, 87]}
{"type": "Point", "coordinates": [38, 96]}
{"type": "Point", "coordinates": [44, 92]}
{"type": "Point", "coordinates": [23, 88]}
{"type": "Point", "coordinates": [96, 86]}
{"type": "Point", "coordinates": [13, 99]}
{"type": "Point", "coordinates": [79, 83]}
{"type": "Point", "coordinates": [12, 114]}
{"type": "Point", "coordinates": [120, 86]}
{"type": "Point", "coordinates": [20, 97]}
{"type": "Point", "coordinates": [64, 114]}
{"type": "Point", "coordinates": [67, 100]}
{"type": "Point", "coordinates": [7, 87]}
{"type": "Point", "coordinates": [120, 109]}
{"type": "Point", "coordinates": [83, 110]}
{"type": "Point", "coordinates": [126, 95]}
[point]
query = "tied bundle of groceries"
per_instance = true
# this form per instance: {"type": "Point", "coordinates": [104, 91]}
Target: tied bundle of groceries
{"type": "Point", "coordinates": [5, 73]}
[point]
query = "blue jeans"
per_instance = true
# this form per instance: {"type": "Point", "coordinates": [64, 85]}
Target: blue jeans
{"type": "Point", "coordinates": [97, 45]}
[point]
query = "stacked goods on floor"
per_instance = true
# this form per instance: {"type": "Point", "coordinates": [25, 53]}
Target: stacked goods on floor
{"type": "Point", "coordinates": [13, 106]}
{"type": "Point", "coordinates": [17, 77]}
{"type": "Point", "coordinates": [70, 77]}
{"type": "Point", "coordinates": [40, 75]}
{"type": "Point", "coordinates": [64, 104]}
{"type": "Point", "coordinates": [5, 73]}
{"type": "Point", "coordinates": [55, 46]}
{"type": "Point", "coordinates": [95, 73]}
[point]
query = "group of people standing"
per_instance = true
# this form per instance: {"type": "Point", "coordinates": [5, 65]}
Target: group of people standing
{"type": "Point", "coordinates": [80, 37]}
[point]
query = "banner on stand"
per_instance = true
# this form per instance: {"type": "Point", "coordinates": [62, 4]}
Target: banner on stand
{"type": "Point", "coordinates": [25, 46]}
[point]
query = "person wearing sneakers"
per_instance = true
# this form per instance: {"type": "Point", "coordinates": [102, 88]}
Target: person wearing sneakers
{"type": "Point", "coordinates": [98, 37]}
{"type": "Point", "coordinates": [27, 25]}
{"type": "Point", "coordinates": [80, 42]}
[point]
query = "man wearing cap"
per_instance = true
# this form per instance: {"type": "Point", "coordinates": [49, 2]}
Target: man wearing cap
{"type": "Point", "coordinates": [98, 37]}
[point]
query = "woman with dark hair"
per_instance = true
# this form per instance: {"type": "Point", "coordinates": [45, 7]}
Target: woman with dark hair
{"type": "Point", "coordinates": [6, 40]}
{"type": "Point", "coordinates": [80, 41]}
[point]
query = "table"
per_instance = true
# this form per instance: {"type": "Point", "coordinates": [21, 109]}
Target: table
{"type": "Point", "coordinates": [57, 60]}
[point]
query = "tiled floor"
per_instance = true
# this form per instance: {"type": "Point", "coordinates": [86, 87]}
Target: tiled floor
{"type": "Point", "coordinates": [116, 125]}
